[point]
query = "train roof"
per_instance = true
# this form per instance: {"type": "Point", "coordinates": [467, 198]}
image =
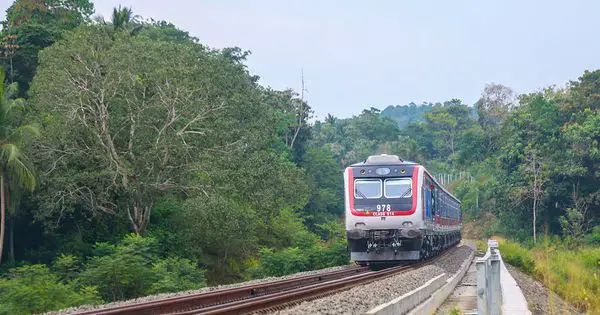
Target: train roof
{"type": "Point", "coordinates": [391, 159]}
{"type": "Point", "coordinates": [384, 159]}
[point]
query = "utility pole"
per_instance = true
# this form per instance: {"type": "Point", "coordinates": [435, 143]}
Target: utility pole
{"type": "Point", "coordinates": [300, 111]}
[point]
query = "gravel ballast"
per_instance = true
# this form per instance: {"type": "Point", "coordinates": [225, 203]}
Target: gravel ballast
{"type": "Point", "coordinates": [362, 298]}
{"type": "Point", "coordinates": [190, 292]}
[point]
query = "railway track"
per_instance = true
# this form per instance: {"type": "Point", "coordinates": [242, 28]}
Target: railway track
{"type": "Point", "coordinates": [263, 297]}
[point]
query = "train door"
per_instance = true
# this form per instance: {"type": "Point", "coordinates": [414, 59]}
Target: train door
{"type": "Point", "coordinates": [435, 206]}
{"type": "Point", "coordinates": [428, 199]}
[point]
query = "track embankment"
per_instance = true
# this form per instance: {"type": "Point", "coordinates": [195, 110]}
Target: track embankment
{"type": "Point", "coordinates": [348, 289]}
{"type": "Point", "coordinates": [363, 298]}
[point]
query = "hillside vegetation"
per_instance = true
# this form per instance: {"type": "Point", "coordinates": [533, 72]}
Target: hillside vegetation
{"type": "Point", "coordinates": [137, 160]}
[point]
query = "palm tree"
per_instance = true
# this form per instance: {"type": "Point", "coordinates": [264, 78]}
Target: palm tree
{"type": "Point", "coordinates": [13, 167]}
{"type": "Point", "coordinates": [330, 119]}
{"type": "Point", "coordinates": [123, 18]}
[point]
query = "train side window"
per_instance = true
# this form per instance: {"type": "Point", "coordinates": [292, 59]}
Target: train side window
{"type": "Point", "coordinates": [367, 189]}
{"type": "Point", "coordinates": [443, 206]}
{"type": "Point", "coordinates": [433, 202]}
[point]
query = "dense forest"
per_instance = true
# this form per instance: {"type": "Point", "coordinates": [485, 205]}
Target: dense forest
{"type": "Point", "coordinates": [138, 160]}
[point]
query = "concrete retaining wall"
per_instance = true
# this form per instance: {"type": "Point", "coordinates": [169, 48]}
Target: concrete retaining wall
{"type": "Point", "coordinates": [431, 304]}
{"type": "Point", "coordinates": [406, 302]}
{"type": "Point", "coordinates": [426, 298]}
{"type": "Point", "coordinates": [513, 300]}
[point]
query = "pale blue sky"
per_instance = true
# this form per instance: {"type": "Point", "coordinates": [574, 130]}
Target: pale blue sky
{"type": "Point", "coordinates": [357, 54]}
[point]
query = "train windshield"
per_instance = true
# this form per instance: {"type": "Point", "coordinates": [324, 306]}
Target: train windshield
{"type": "Point", "coordinates": [367, 188]}
{"type": "Point", "coordinates": [398, 188]}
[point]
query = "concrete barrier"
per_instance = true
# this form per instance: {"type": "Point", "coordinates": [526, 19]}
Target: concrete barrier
{"type": "Point", "coordinates": [406, 302]}
{"type": "Point", "coordinates": [426, 298]}
{"type": "Point", "coordinates": [514, 301]}
{"type": "Point", "coordinates": [431, 304]}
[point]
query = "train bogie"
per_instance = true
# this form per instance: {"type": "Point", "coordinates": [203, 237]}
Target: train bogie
{"type": "Point", "coordinates": [396, 211]}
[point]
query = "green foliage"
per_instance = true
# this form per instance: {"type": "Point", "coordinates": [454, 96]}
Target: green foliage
{"type": "Point", "coordinates": [124, 271]}
{"type": "Point", "coordinates": [455, 311]}
{"type": "Point", "coordinates": [176, 274]}
{"type": "Point", "coordinates": [165, 31]}
{"type": "Point", "coordinates": [37, 25]}
{"type": "Point", "coordinates": [67, 267]}
{"type": "Point", "coordinates": [138, 134]}
{"type": "Point", "coordinates": [304, 255]}
{"type": "Point", "coordinates": [306, 252]}
{"type": "Point", "coordinates": [281, 262]}
{"type": "Point", "coordinates": [572, 273]}
{"type": "Point", "coordinates": [35, 289]}
{"type": "Point", "coordinates": [220, 232]}
{"type": "Point", "coordinates": [352, 140]}
{"type": "Point", "coordinates": [133, 268]}
{"type": "Point", "coordinates": [517, 256]}
{"type": "Point", "coordinates": [593, 239]}
{"type": "Point", "coordinates": [481, 245]}
{"type": "Point", "coordinates": [325, 202]}
{"type": "Point", "coordinates": [405, 115]}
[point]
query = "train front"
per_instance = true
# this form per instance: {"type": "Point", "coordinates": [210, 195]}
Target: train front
{"type": "Point", "coordinates": [381, 200]}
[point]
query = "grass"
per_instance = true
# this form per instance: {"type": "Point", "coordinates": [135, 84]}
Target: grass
{"type": "Point", "coordinates": [455, 311]}
{"type": "Point", "coordinates": [573, 273]}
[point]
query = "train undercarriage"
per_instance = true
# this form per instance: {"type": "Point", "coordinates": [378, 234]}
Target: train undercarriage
{"type": "Point", "coordinates": [395, 246]}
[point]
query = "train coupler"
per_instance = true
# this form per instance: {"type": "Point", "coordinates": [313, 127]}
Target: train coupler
{"type": "Point", "coordinates": [396, 244]}
{"type": "Point", "coordinates": [372, 246]}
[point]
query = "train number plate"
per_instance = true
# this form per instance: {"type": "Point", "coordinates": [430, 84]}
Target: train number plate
{"type": "Point", "coordinates": [382, 213]}
{"type": "Point", "coordinates": [384, 207]}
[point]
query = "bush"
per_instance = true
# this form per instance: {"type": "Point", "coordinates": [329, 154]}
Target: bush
{"type": "Point", "coordinates": [517, 256]}
{"type": "Point", "coordinates": [133, 268]}
{"type": "Point", "coordinates": [125, 270]}
{"type": "Point", "coordinates": [35, 289]}
{"type": "Point", "coordinates": [304, 256]}
{"type": "Point", "coordinates": [279, 263]}
{"type": "Point", "coordinates": [572, 273]}
{"type": "Point", "coordinates": [593, 239]}
{"type": "Point", "coordinates": [176, 274]}
{"type": "Point", "coordinates": [66, 267]}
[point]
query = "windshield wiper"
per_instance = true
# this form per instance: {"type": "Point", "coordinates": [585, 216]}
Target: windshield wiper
{"type": "Point", "coordinates": [406, 193]}
{"type": "Point", "coordinates": [360, 193]}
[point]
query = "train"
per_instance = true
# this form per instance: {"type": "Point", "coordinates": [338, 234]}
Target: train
{"type": "Point", "coordinates": [396, 211]}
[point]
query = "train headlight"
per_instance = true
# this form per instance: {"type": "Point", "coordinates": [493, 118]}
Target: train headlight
{"type": "Point", "coordinates": [382, 171]}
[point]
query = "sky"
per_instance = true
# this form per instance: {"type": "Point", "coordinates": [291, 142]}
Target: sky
{"type": "Point", "coordinates": [358, 54]}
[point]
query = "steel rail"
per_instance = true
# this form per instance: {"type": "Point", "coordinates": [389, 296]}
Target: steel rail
{"type": "Point", "coordinates": [285, 299]}
{"type": "Point", "coordinates": [206, 299]}
{"type": "Point", "coordinates": [264, 296]}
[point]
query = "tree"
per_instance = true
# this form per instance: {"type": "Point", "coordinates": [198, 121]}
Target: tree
{"type": "Point", "coordinates": [122, 18]}
{"type": "Point", "coordinates": [536, 175]}
{"type": "Point", "coordinates": [293, 114]}
{"type": "Point", "coordinates": [134, 118]}
{"type": "Point", "coordinates": [447, 122]}
{"type": "Point", "coordinates": [326, 200]}
{"type": "Point", "coordinates": [14, 168]}
{"type": "Point", "coordinates": [492, 109]}
{"type": "Point", "coordinates": [35, 25]}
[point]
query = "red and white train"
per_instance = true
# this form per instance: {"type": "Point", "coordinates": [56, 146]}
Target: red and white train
{"type": "Point", "coordinates": [396, 211]}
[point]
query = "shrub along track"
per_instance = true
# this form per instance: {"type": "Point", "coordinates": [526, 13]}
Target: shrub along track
{"type": "Point", "coordinates": [264, 297]}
